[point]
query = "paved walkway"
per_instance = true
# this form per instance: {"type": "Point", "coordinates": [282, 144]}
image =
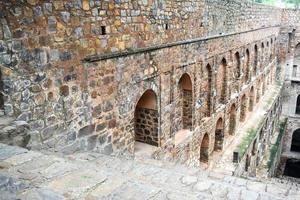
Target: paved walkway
{"type": "Point", "coordinates": [34, 175]}
{"type": "Point", "coordinates": [222, 162]}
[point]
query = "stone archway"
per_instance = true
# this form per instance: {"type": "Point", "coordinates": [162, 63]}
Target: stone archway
{"type": "Point", "coordinates": [246, 71]}
{"type": "Point", "coordinates": [258, 91]}
{"type": "Point", "coordinates": [221, 82]}
{"type": "Point", "coordinates": [219, 135]}
{"type": "Point", "coordinates": [251, 99]}
{"type": "Point", "coordinates": [146, 119]}
{"type": "Point", "coordinates": [232, 119]}
{"type": "Point", "coordinates": [209, 89]}
{"type": "Point", "coordinates": [247, 162]}
{"type": "Point", "coordinates": [204, 150]}
{"type": "Point", "coordinates": [237, 71]}
{"type": "Point", "coordinates": [255, 60]}
{"type": "Point", "coordinates": [298, 105]}
{"type": "Point", "coordinates": [186, 101]}
{"type": "Point", "coordinates": [243, 108]}
{"type": "Point", "coordinates": [295, 145]}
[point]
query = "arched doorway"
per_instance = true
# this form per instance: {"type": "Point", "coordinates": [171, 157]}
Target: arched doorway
{"type": "Point", "coordinates": [209, 89]}
{"type": "Point", "coordinates": [295, 146]}
{"type": "Point", "coordinates": [219, 135]}
{"type": "Point", "coordinates": [186, 101]}
{"type": "Point", "coordinates": [243, 108]}
{"type": "Point", "coordinates": [146, 119]}
{"type": "Point", "coordinates": [204, 151]}
{"type": "Point", "coordinates": [254, 148]}
{"type": "Point", "coordinates": [246, 76]}
{"type": "Point", "coordinates": [251, 99]}
{"type": "Point", "coordinates": [255, 60]}
{"type": "Point", "coordinates": [298, 105]}
{"type": "Point", "coordinates": [258, 91]}
{"type": "Point", "coordinates": [232, 119]}
{"type": "Point", "coordinates": [247, 163]}
{"type": "Point", "coordinates": [262, 55]}
{"type": "Point", "coordinates": [221, 82]}
{"type": "Point", "coordinates": [237, 70]}
{"type": "Point", "coordinates": [1, 93]}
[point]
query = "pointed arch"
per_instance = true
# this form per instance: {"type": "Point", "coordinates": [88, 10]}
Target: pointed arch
{"type": "Point", "coordinates": [146, 119]}
{"type": "Point", "coordinates": [247, 163]}
{"type": "Point", "coordinates": [298, 105]}
{"type": "Point", "coordinates": [219, 135]}
{"type": "Point", "coordinates": [251, 99]}
{"type": "Point", "coordinates": [247, 76]}
{"type": "Point", "coordinates": [237, 65]}
{"type": "Point", "coordinates": [186, 100]}
{"type": "Point", "coordinates": [204, 150]}
{"type": "Point", "coordinates": [232, 119]}
{"type": "Point", "coordinates": [209, 89]}
{"type": "Point", "coordinates": [258, 86]}
{"type": "Point", "coordinates": [255, 60]}
{"type": "Point", "coordinates": [243, 108]}
{"type": "Point", "coordinates": [221, 82]}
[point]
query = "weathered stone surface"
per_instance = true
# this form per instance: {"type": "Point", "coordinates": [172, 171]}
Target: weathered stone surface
{"type": "Point", "coordinates": [87, 130]}
{"type": "Point", "coordinates": [91, 175]}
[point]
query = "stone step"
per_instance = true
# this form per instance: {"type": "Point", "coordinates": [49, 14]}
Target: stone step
{"type": "Point", "coordinates": [96, 176]}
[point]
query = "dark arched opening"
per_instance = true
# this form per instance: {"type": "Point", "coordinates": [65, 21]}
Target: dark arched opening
{"type": "Point", "coordinates": [219, 135]}
{"type": "Point", "coordinates": [247, 163]}
{"type": "Point", "coordinates": [243, 108]}
{"type": "Point", "coordinates": [251, 99]}
{"type": "Point", "coordinates": [255, 60]}
{"type": "Point", "coordinates": [221, 82]}
{"type": "Point", "coordinates": [209, 89]}
{"type": "Point", "coordinates": [204, 151]}
{"type": "Point", "coordinates": [247, 76]}
{"type": "Point", "coordinates": [237, 71]}
{"type": "Point", "coordinates": [146, 119]}
{"type": "Point", "coordinates": [258, 91]}
{"type": "Point", "coordinates": [295, 146]}
{"type": "Point", "coordinates": [232, 120]}
{"type": "Point", "coordinates": [298, 105]}
{"type": "Point", "coordinates": [186, 101]}
{"type": "Point", "coordinates": [262, 55]}
{"type": "Point", "coordinates": [292, 168]}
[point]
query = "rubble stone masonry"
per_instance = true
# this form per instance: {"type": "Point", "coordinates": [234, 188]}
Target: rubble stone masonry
{"type": "Point", "coordinates": [75, 70]}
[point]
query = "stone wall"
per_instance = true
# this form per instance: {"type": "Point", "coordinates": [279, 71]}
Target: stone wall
{"type": "Point", "coordinates": [253, 156]}
{"type": "Point", "coordinates": [75, 70]}
{"type": "Point", "coordinates": [146, 126]}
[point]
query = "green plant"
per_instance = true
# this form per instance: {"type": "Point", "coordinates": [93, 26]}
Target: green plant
{"type": "Point", "coordinates": [274, 147]}
{"type": "Point", "coordinates": [246, 141]}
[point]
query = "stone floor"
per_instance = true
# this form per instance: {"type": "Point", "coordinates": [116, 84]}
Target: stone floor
{"type": "Point", "coordinates": [34, 175]}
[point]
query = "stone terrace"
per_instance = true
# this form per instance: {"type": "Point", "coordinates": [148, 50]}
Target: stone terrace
{"type": "Point", "coordinates": [34, 175]}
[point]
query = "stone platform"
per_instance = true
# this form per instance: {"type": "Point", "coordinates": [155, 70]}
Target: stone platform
{"type": "Point", "coordinates": [34, 175]}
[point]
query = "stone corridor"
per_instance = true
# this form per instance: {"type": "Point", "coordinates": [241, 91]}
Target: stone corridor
{"type": "Point", "coordinates": [33, 175]}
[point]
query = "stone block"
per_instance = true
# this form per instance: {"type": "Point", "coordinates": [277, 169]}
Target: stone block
{"type": "Point", "coordinates": [87, 130]}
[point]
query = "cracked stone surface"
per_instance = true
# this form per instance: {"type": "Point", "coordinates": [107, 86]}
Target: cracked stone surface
{"type": "Point", "coordinates": [34, 175]}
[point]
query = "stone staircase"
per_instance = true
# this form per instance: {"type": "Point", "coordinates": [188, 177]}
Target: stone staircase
{"type": "Point", "coordinates": [35, 175]}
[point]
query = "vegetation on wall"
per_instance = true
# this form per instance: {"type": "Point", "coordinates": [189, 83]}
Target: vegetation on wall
{"type": "Point", "coordinates": [274, 147]}
{"type": "Point", "coordinates": [247, 140]}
